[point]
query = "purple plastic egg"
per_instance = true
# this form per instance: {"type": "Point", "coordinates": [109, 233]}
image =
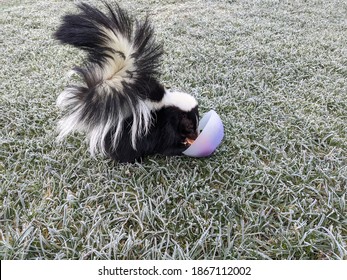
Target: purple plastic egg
{"type": "Point", "coordinates": [211, 135]}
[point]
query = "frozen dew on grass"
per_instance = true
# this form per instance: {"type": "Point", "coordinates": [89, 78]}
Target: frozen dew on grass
{"type": "Point", "coordinates": [275, 189]}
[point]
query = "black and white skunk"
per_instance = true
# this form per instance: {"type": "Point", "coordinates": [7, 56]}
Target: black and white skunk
{"type": "Point", "coordinates": [123, 109]}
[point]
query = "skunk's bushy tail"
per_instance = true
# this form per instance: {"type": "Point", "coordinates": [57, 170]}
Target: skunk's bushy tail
{"type": "Point", "coordinates": [119, 77]}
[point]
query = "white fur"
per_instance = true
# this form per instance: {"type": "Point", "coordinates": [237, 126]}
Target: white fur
{"type": "Point", "coordinates": [71, 122]}
{"type": "Point", "coordinates": [66, 98]}
{"type": "Point", "coordinates": [114, 71]}
{"type": "Point", "coordinates": [181, 100]}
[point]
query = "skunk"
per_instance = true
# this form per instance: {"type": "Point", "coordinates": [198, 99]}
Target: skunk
{"type": "Point", "coordinates": [124, 110]}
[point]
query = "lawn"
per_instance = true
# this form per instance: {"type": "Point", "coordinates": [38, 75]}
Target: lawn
{"type": "Point", "coordinates": [275, 71]}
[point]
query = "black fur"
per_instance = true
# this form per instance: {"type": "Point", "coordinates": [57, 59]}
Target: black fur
{"type": "Point", "coordinates": [167, 137]}
{"type": "Point", "coordinates": [120, 106]}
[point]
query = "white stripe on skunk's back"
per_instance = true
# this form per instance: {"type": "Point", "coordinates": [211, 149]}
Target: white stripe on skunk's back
{"type": "Point", "coordinates": [181, 100]}
{"type": "Point", "coordinates": [120, 63]}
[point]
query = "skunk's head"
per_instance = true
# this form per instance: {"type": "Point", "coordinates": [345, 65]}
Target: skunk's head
{"type": "Point", "coordinates": [188, 122]}
{"type": "Point", "coordinates": [182, 116]}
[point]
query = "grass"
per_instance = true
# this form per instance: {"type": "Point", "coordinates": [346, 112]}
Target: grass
{"type": "Point", "coordinates": [276, 73]}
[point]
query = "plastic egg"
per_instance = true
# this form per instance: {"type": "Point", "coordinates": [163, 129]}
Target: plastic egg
{"type": "Point", "coordinates": [210, 136]}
